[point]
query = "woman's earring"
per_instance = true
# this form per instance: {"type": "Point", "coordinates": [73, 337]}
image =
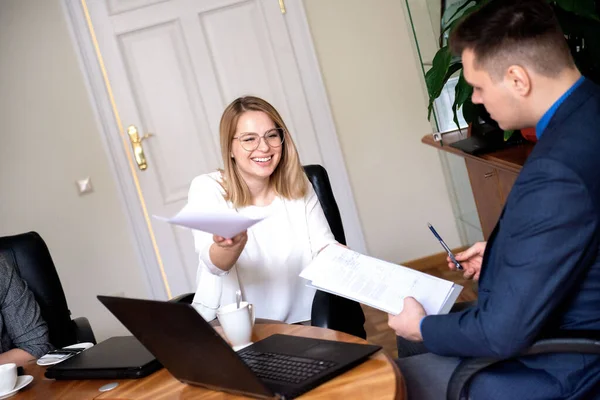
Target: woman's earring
{"type": "Point", "coordinates": [231, 155]}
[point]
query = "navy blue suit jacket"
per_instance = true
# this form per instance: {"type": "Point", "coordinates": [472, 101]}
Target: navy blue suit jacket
{"type": "Point", "coordinates": [541, 269]}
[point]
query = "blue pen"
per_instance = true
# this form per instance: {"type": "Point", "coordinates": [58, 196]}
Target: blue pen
{"type": "Point", "coordinates": [445, 246]}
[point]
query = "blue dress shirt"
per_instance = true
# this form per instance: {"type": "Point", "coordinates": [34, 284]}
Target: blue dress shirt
{"type": "Point", "coordinates": [545, 120]}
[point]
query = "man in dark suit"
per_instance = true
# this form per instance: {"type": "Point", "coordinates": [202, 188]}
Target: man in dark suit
{"type": "Point", "coordinates": [540, 271]}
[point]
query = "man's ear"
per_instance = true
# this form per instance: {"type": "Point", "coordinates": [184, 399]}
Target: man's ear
{"type": "Point", "coordinates": [519, 80]}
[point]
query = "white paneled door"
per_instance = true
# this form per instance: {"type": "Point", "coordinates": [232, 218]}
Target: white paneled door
{"type": "Point", "coordinates": [169, 68]}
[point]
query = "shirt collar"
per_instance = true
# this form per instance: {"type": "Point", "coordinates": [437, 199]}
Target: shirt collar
{"type": "Point", "coordinates": [545, 120]}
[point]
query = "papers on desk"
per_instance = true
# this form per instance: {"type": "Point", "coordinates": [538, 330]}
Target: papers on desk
{"type": "Point", "coordinates": [223, 223]}
{"type": "Point", "coordinates": [378, 283]}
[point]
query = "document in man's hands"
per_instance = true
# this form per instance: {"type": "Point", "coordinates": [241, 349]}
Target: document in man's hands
{"type": "Point", "coordinates": [223, 223]}
{"type": "Point", "coordinates": [378, 283]}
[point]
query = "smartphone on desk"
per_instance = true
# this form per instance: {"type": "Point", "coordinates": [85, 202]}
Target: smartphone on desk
{"type": "Point", "coordinates": [66, 352]}
{"type": "Point", "coordinates": [59, 355]}
{"type": "Point", "coordinates": [56, 356]}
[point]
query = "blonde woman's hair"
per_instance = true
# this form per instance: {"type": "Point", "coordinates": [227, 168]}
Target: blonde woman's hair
{"type": "Point", "coordinates": [288, 180]}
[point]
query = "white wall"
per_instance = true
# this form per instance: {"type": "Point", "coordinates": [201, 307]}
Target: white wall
{"type": "Point", "coordinates": [375, 90]}
{"type": "Point", "coordinates": [48, 140]}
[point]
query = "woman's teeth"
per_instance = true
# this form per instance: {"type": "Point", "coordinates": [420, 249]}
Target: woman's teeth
{"type": "Point", "coordinates": [263, 159]}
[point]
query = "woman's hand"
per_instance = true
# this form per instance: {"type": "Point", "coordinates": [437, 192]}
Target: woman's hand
{"type": "Point", "coordinates": [225, 252]}
{"type": "Point", "coordinates": [471, 260]}
{"type": "Point", "coordinates": [238, 241]}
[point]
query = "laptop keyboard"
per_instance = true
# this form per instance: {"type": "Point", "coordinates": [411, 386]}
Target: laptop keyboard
{"type": "Point", "coordinates": [284, 368]}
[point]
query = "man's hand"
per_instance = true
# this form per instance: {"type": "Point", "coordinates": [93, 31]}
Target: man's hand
{"type": "Point", "coordinates": [471, 260]}
{"type": "Point", "coordinates": [17, 356]}
{"type": "Point", "coordinates": [407, 324]}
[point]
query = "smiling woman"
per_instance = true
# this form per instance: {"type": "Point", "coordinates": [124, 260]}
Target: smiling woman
{"type": "Point", "coordinates": [262, 176]}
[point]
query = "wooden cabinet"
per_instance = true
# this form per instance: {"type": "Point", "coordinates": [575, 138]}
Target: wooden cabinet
{"type": "Point", "coordinates": [490, 189]}
{"type": "Point", "coordinates": [491, 175]}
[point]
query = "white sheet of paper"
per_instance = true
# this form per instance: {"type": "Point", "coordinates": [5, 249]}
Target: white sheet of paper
{"type": "Point", "coordinates": [375, 282]}
{"type": "Point", "coordinates": [222, 223]}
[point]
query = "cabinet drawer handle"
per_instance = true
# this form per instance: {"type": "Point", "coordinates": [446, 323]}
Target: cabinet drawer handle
{"type": "Point", "coordinates": [488, 174]}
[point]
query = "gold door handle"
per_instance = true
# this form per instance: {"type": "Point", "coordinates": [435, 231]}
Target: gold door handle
{"type": "Point", "coordinates": [136, 143]}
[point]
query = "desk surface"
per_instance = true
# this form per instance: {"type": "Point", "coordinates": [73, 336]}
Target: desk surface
{"type": "Point", "coordinates": [509, 159]}
{"type": "Point", "coordinates": [377, 378]}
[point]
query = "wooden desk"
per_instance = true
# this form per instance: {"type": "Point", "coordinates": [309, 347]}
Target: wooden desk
{"type": "Point", "coordinates": [377, 378]}
{"type": "Point", "coordinates": [492, 175]}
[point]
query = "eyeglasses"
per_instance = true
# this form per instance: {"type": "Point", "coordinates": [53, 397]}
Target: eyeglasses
{"type": "Point", "coordinates": [250, 141]}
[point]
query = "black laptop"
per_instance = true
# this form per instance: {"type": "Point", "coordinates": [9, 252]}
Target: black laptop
{"type": "Point", "coordinates": [476, 145]}
{"type": "Point", "coordinates": [279, 366]}
{"type": "Point", "coordinates": [120, 357]}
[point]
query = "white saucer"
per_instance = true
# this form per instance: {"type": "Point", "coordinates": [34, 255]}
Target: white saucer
{"type": "Point", "coordinates": [22, 381]}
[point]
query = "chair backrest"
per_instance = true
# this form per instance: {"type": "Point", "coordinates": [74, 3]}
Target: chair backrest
{"type": "Point", "coordinates": [328, 310]}
{"type": "Point", "coordinates": [317, 175]}
{"type": "Point", "coordinates": [31, 258]}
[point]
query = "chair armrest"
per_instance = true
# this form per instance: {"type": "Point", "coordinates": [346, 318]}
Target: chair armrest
{"type": "Point", "coordinates": [470, 366]}
{"type": "Point", "coordinates": [83, 330]}
{"type": "Point", "coordinates": [337, 313]}
{"type": "Point", "coordinates": [564, 345]}
{"type": "Point", "coordinates": [186, 298]}
{"type": "Point", "coordinates": [321, 308]}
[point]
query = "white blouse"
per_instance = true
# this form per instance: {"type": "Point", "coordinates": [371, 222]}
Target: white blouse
{"type": "Point", "coordinates": [278, 249]}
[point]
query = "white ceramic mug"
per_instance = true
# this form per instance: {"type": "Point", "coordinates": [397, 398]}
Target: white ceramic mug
{"type": "Point", "coordinates": [237, 323]}
{"type": "Point", "coordinates": [8, 377]}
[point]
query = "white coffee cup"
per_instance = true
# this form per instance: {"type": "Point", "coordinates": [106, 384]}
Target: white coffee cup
{"type": "Point", "coordinates": [8, 377]}
{"type": "Point", "coordinates": [237, 323]}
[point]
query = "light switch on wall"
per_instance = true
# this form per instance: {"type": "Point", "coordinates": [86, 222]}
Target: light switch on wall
{"type": "Point", "coordinates": [84, 186]}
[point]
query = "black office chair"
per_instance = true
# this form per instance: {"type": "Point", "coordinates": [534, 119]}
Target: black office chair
{"type": "Point", "coordinates": [328, 310]}
{"type": "Point", "coordinates": [30, 257]}
{"type": "Point", "coordinates": [585, 342]}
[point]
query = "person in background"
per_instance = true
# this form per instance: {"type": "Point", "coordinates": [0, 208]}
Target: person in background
{"type": "Point", "coordinates": [262, 176]}
{"type": "Point", "coordinates": [539, 273]}
{"type": "Point", "coordinates": [23, 332]}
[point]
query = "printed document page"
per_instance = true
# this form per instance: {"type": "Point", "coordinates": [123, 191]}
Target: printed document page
{"type": "Point", "coordinates": [378, 283]}
{"type": "Point", "coordinates": [223, 223]}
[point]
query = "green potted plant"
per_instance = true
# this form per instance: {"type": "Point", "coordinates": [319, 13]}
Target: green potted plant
{"type": "Point", "coordinates": [580, 22]}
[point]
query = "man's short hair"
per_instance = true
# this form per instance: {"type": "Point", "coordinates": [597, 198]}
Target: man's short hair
{"type": "Point", "coordinates": [514, 32]}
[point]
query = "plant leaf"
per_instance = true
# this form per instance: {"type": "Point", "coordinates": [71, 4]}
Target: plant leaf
{"type": "Point", "coordinates": [462, 93]}
{"type": "Point", "coordinates": [508, 134]}
{"type": "Point", "coordinates": [584, 41]}
{"type": "Point", "coordinates": [470, 111]}
{"type": "Point", "coordinates": [465, 12]}
{"type": "Point", "coordinates": [451, 71]}
{"type": "Point", "coordinates": [435, 78]}
{"type": "Point", "coordinates": [456, 21]}
{"type": "Point", "coordinates": [583, 8]}
{"type": "Point", "coordinates": [454, 11]}
{"type": "Point", "coordinates": [439, 67]}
